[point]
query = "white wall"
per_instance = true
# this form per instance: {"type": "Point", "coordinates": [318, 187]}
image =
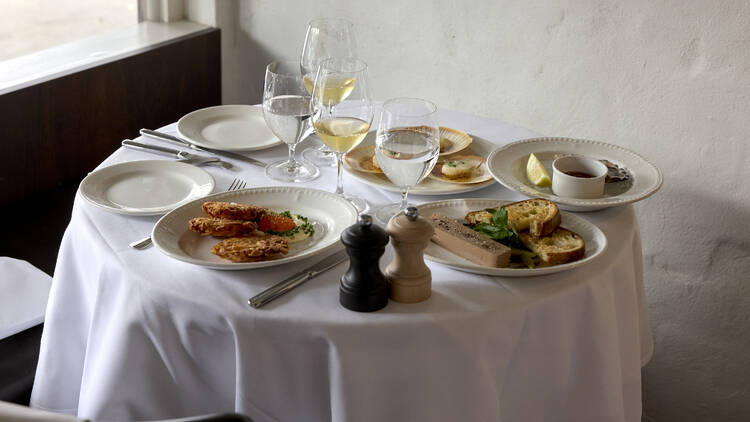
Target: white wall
{"type": "Point", "coordinates": [668, 79]}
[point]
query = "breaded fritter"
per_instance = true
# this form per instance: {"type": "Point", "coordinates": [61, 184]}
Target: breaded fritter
{"type": "Point", "coordinates": [251, 248]}
{"type": "Point", "coordinates": [233, 210]}
{"type": "Point", "coordinates": [221, 227]}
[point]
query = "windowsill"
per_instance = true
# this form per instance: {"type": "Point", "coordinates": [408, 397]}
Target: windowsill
{"type": "Point", "coordinates": [79, 55]}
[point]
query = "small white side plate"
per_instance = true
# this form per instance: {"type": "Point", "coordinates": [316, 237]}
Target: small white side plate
{"type": "Point", "coordinates": [428, 186]}
{"type": "Point", "coordinates": [228, 128]}
{"type": "Point", "coordinates": [149, 187]}
{"type": "Point", "coordinates": [508, 166]}
{"type": "Point", "coordinates": [594, 238]}
{"type": "Point", "coordinates": [329, 213]}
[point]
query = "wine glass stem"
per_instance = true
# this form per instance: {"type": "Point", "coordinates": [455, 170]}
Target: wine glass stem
{"type": "Point", "coordinates": [292, 147]}
{"type": "Point", "coordinates": [404, 202]}
{"type": "Point", "coordinates": [339, 174]}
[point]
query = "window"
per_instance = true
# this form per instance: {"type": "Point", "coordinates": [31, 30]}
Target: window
{"type": "Point", "coordinates": [27, 26]}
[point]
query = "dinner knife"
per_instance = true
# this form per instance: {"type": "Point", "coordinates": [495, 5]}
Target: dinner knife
{"type": "Point", "coordinates": [174, 153]}
{"type": "Point", "coordinates": [183, 156]}
{"type": "Point", "coordinates": [290, 283]}
{"type": "Point", "coordinates": [171, 138]}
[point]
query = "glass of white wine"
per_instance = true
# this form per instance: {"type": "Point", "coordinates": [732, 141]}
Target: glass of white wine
{"type": "Point", "coordinates": [406, 147]}
{"type": "Point", "coordinates": [342, 111]}
{"type": "Point", "coordinates": [286, 109]}
{"type": "Point", "coordinates": [325, 38]}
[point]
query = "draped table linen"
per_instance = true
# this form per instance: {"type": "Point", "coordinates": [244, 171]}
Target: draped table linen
{"type": "Point", "coordinates": [135, 334]}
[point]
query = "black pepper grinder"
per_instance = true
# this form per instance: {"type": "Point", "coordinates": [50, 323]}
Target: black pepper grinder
{"type": "Point", "coordinates": [363, 286]}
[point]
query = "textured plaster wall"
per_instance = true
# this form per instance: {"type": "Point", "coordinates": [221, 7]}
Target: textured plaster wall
{"type": "Point", "coordinates": [668, 79]}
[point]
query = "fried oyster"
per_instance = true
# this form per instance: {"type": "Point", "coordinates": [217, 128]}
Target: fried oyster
{"type": "Point", "coordinates": [251, 248]}
{"type": "Point", "coordinates": [221, 227]}
{"type": "Point", "coordinates": [233, 210]}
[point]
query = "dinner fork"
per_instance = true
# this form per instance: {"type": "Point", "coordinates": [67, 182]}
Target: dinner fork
{"type": "Point", "coordinates": [236, 184]}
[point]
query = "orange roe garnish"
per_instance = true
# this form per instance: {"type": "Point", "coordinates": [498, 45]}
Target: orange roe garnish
{"type": "Point", "coordinates": [276, 223]}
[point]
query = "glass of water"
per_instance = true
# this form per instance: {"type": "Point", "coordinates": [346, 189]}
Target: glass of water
{"type": "Point", "coordinates": [286, 109]}
{"type": "Point", "coordinates": [406, 147]}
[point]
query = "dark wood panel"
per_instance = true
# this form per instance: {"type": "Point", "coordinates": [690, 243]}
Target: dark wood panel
{"type": "Point", "coordinates": [57, 131]}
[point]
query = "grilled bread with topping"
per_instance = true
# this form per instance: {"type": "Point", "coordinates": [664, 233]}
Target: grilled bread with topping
{"type": "Point", "coordinates": [559, 247]}
{"type": "Point", "coordinates": [539, 217]}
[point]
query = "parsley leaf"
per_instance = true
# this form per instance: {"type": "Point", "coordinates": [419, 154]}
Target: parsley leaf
{"type": "Point", "coordinates": [498, 229]}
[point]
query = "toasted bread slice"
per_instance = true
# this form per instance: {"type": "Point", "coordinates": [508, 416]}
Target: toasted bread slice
{"type": "Point", "coordinates": [559, 247]}
{"type": "Point", "coordinates": [539, 216]}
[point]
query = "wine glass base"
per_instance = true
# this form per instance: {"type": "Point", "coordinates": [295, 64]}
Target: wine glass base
{"type": "Point", "coordinates": [359, 203]}
{"type": "Point", "coordinates": [320, 156]}
{"type": "Point", "coordinates": [384, 214]}
{"type": "Point", "coordinates": [297, 171]}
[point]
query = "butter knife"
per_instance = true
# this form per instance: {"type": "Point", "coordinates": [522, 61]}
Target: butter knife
{"type": "Point", "coordinates": [171, 138]}
{"type": "Point", "coordinates": [290, 283]}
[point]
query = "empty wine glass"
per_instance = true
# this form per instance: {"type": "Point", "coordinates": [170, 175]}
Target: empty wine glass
{"type": "Point", "coordinates": [342, 111]}
{"type": "Point", "coordinates": [325, 38]}
{"type": "Point", "coordinates": [406, 147]}
{"type": "Point", "coordinates": [286, 109]}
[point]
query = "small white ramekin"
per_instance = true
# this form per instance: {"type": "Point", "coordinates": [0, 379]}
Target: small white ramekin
{"type": "Point", "coordinates": [569, 186]}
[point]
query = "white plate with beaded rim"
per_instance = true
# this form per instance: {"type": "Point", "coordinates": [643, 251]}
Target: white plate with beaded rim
{"type": "Point", "coordinates": [145, 187]}
{"type": "Point", "coordinates": [507, 165]}
{"type": "Point", "coordinates": [428, 186]}
{"type": "Point", "coordinates": [233, 128]}
{"type": "Point", "coordinates": [594, 239]}
{"type": "Point", "coordinates": [329, 213]}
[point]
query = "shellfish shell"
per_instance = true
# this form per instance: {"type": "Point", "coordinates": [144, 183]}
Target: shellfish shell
{"type": "Point", "coordinates": [478, 174]}
{"type": "Point", "coordinates": [360, 159]}
{"type": "Point", "coordinates": [453, 140]}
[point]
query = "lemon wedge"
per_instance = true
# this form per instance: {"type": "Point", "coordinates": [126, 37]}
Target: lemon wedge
{"type": "Point", "coordinates": [536, 173]}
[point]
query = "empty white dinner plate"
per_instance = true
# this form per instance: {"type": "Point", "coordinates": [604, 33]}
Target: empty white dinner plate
{"type": "Point", "coordinates": [228, 128]}
{"type": "Point", "coordinates": [329, 213]}
{"type": "Point", "coordinates": [508, 166]}
{"type": "Point", "coordinates": [428, 186]}
{"type": "Point", "coordinates": [594, 238]}
{"type": "Point", "coordinates": [149, 187]}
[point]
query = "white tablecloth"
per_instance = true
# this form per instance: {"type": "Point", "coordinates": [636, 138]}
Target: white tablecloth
{"type": "Point", "coordinates": [136, 335]}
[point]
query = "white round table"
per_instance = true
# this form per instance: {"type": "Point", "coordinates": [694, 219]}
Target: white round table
{"type": "Point", "coordinates": [136, 335]}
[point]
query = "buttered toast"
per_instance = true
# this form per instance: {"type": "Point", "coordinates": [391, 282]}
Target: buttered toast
{"type": "Point", "coordinates": [559, 247]}
{"type": "Point", "coordinates": [539, 217]}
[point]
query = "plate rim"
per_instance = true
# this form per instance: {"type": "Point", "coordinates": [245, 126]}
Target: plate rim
{"type": "Point", "coordinates": [228, 265]}
{"type": "Point", "coordinates": [521, 272]}
{"type": "Point", "coordinates": [159, 211]}
{"type": "Point", "coordinates": [460, 188]}
{"type": "Point", "coordinates": [573, 203]}
{"type": "Point", "coordinates": [198, 142]}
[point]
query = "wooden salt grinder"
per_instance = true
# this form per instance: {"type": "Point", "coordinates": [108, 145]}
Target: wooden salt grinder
{"type": "Point", "coordinates": [364, 287]}
{"type": "Point", "coordinates": [409, 278]}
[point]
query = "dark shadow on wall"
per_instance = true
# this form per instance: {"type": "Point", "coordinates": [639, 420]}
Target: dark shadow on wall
{"type": "Point", "coordinates": [244, 60]}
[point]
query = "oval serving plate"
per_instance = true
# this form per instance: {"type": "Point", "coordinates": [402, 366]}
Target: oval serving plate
{"type": "Point", "coordinates": [228, 128]}
{"type": "Point", "coordinates": [596, 241]}
{"type": "Point", "coordinates": [329, 213]}
{"type": "Point", "coordinates": [507, 165]}
{"type": "Point", "coordinates": [428, 186]}
{"type": "Point", "coordinates": [146, 187]}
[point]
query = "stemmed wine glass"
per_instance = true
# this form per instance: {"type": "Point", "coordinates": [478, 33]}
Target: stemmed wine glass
{"type": "Point", "coordinates": [406, 147]}
{"type": "Point", "coordinates": [342, 111]}
{"type": "Point", "coordinates": [325, 38]}
{"type": "Point", "coordinates": [286, 109]}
